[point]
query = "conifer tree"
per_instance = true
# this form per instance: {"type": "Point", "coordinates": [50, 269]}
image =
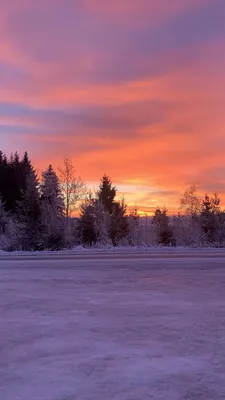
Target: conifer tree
{"type": "Point", "coordinates": [87, 222]}
{"type": "Point", "coordinates": [210, 218]}
{"type": "Point", "coordinates": [107, 193]}
{"type": "Point", "coordinates": [52, 207]}
{"type": "Point", "coordinates": [13, 175]}
{"type": "Point", "coordinates": [29, 213]}
{"type": "Point", "coordinates": [116, 210]}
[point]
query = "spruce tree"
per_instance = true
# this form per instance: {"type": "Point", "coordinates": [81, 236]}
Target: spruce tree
{"type": "Point", "coordinates": [107, 193]}
{"type": "Point", "coordinates": [210, 216]}
{"type": "Point", "coordinates": [116, 210]}
{"type": "Point", "coordinates": [87, 222]}
{"type": "Point", "coordinates": [52, 208]}
{"type": "Point", "coordinates": [29, 213]}
{"type": "Point", "coordinates": [13, 176]}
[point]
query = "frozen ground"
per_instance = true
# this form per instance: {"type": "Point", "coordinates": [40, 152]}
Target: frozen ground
{"type": "Point", "coordinates": [121, 327]}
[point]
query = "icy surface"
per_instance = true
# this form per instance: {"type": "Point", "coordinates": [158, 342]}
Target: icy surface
{"type": "Point", "coordinates": [112, 329]}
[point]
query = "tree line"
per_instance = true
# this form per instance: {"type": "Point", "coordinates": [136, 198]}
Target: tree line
{"type": "Point", "coordinates": [199, 222]}
{"type": "Point", "coordinates": [36, 213]}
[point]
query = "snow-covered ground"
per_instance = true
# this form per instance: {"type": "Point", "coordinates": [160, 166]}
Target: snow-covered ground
{"type": "Point", "coordinates": [111, 252]}
{"type": "Point", "coordinates": [129, 328]}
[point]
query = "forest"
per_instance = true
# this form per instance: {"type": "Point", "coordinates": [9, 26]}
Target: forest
{"type": "Point", "coordinates": [37, 213]}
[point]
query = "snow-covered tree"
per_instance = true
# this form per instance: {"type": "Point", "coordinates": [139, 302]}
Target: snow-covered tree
{"type": "Point", "coordinates": [162, 226]}
{"type": "Point", "coordinates": [102, 223]}
{"type": "Point", "coordinates": [94, 223]}
{"type": "Point", "coordinates": [50, 190]}
{"type": "Point", "coordinates": [3, 218]}
{"type": "Point", "coordinates": [186, 230]}
{"type": "Point", "coordinates": [10, 232]}
{"type": "Point", "coordinates": [119, 226]}
{"type": "Point", "coordinates": [190, 202]}
{"type": "Point", "coordinates": [133, 237]}
{"type": "Point", "coordinates": [210, 219]}
{"type": "Point", "coordinates": [29, 213]}
{"type": "Point", "coordinates": [52, 207]}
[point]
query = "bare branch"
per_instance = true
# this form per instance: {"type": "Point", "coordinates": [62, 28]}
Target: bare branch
{"type": "Point", "coordinates": [73, 187]}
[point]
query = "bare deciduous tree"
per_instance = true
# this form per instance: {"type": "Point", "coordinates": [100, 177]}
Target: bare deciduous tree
{"type": "Point", "coordinates": [190, 201]}
{"type": "Point", "coordinates": [73, 188]}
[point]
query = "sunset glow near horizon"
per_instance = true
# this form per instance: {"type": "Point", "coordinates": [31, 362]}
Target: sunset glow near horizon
{"type": "Point", "coordinates": [133, 89]}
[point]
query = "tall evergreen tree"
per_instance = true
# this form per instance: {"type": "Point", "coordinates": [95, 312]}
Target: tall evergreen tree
{"type": "Point", "coordinates": [26, 170]}
{"type": "Point", "coordinates": [107, 193]}
{"type": "Point", "coordinates": [119, 227]}
{"type": "Point", "coordinates": [210, 218]}
{"type": "Point", "coordinates": [50, 191]}
{"type": "Point", "coordinates": [12, 188]}
{"type": "Point", "coordinates": [29, 213]}
{"type": "Point", "coordinates": [13, 175]}
{"type": "Point", "coordinates": [87, 222]}
{"type": "Point", "coordinates": [52, 207]}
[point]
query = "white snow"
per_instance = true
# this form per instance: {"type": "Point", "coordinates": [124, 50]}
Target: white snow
{"type": "Point", "coordinates": [120, 249]}
{"type": "Point", "coordinates": [112, 328]}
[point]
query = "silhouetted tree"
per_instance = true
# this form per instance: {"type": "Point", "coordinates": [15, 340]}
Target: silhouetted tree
{"type": "Point", "coordinates": [73, 188]}
{"type": "Point", "coordinates": [52, 208]}
{"type": "Point", "coordinates": [94, 222]}
{"type": "Point", "coordinates": [210, 218]}
{"type": "Point", "coordinates": [107, 193]}
{"type": "Point", "coordinates": [119, 227]}
{"type": "Point", "coordinates": [163, 230]}
{"type": "Point", "coordinates": [29, 213]}
{"type": "Point", "coordinates": [13, 176]}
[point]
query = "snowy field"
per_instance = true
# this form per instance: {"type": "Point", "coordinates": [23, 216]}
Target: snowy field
{"type": "Point", "coordinates": [112, 327]}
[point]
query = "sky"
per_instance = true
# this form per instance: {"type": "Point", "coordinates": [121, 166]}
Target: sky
{"type": "Point", "coordinates": [133, 89]}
